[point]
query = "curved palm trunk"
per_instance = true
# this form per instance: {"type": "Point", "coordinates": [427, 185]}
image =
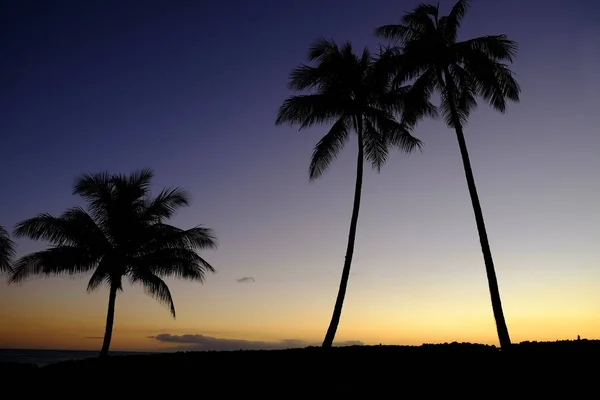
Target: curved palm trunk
{"type": "Point", "coordinates": [110, 318]}
{"type": "Point", "coordinates": [501, 327]}
{"type": "Point", "coordinates": [339, 302]}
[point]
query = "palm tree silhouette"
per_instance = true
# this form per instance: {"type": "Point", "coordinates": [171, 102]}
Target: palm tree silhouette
{"type": "Point", "coordinates": [122, 234]}
{"type": "Point", "coordinates": [461, 71]}
{"type": "Point", "coordinates": [7, 251]}
{"type": "Point", "coordinates": [352, 92]}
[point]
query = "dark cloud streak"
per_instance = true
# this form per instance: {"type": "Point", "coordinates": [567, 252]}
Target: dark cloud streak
{"type": "Point", "coordinates": [246, 279]}
{"type": "Point", "coordinates": [208, 343]}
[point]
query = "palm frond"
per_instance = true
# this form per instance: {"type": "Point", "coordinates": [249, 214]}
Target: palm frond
{"type": "Point", "coordinates": [94, 187]}
{"type": "Point", "coordinates": [390, 31]}
{"type": "Point", "coordinates": [173, 262]}
{"type": "Point", "coordinates": [384, 62]}
{"type": "Point", "coordinates": [461, 84]}
{"type": "Point", "coordinates": [114, 198]}
{"type": "Point", "coordinates": [135, 185]}
{"type": "Point", "coordinates": [122, 215]}
{"type": "Point", "coordinates": [399, 33]}
{"type": "Point", "coordinates": [44, 227]}
{"type": "Point", "coordinates": [450, 24]}
{"type": "Point", "coordinates": [346, 53]}
{"type": "Point", "coordinates": [83, 231]}
{"type": "Point", "coordinates": [328, 148]}
{"type": "Point", "coordinates": [97, 189]}
{"type": "Point", "coordinates": [130, 192]}
{"type": "Point", "coordinates": [389, 101]}
{"type": "Point", "coordinates": [494, 47]}
{"type": "Point", "coordinates": [403, 140]}
{"type": "Point", "coordinates": [397, 134]}
{"type": "Point", "coordinates": [155, 287]}
{"type": "Point", "coordinates": [309, 110]}
{"type": "Point", "coordinates": [102, 275]}
{"type": "Point", "coordinates": [141, 178]}
{"type": "Point", "coordinates": [67, 260]}
{"type": "Point", "coordinates": [165, 204]}
{"type": "Point", "coordinates": [411, 101]}
{"type": "Point", "coordinates": [74, 227]}
{"type": "Point", "coordinates": [406, 67]}
{"type": "Point", "coordinates": [164, 236]}
{"type": "Point", "coordinates": [375, 145]}
{"type": "Point", "coordinates": [305, 77]}
{"type": "Point", "coordinates": [422, 18]}
{"type": "Point", "coordinates": [365, 60]}
{"type": "Point", "coordinates": [199, 238]}
{"type": "Point", "coordinates": [493, 81]}
{"type": "Point", "coordinates": [321, 49]}
{"type": "Point", "coordinates": [417, 104]}
{"type": "Point", "coordinates": [466, 95]}
{"type": "Point", "coordinates": [7, 251]}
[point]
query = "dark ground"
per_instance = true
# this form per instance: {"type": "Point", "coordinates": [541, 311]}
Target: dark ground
{"type": "Point", "coordinates": [567, 369]}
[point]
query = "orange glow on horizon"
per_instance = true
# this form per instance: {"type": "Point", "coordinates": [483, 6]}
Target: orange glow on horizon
{"type": "Point", "coordinates": [47, 322]}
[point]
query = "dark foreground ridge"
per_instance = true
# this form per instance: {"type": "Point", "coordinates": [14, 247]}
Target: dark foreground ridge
{"type": "Point", "coordinates": [529, 368]}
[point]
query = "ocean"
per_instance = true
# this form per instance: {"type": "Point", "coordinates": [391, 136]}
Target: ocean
{"type": "Point", "coordinates": [45, 357]}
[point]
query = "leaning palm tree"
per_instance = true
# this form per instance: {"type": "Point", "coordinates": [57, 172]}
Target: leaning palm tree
{"type": "Point", "coordinates": [353, 93]}
{"type": "Point", "coordinates": [123, 234]}
{"type": "Point", "coordinates": [461, 71]}
{"type": "Point", "coordinates": [7, 251]}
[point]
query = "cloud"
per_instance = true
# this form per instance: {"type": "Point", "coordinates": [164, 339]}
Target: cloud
{"type": "Point", "coordinates": [207, 343]}
{"type": "Point", "coordinates": [246, 279]}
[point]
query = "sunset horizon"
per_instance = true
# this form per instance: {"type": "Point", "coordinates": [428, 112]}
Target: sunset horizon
{"type": "Point", "coordinates": [118, 88]}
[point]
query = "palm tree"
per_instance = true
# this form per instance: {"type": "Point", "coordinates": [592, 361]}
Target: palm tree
{"type": "Point", "coordinates": [122, 234]}
{"type": "Point", "coordinates": [7, 251]}
{"type": "Point", "coordinates": [352, 92]}
{"type": "Point", "coordinates": [461, 71]}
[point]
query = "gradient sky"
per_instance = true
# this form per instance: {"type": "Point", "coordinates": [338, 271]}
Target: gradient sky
{"type": "Point", "coordinates": [191, 89]}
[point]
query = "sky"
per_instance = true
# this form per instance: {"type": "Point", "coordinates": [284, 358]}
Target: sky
{"type": "Point", "coordinates": [191, 89]}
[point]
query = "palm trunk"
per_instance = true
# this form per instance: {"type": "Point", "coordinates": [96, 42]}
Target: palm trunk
{"type": "Point", "coordinates": [339, 302]}
{"type": "Point", "coordinates": [110, 318]}
{"type": "Point", "coordinates": [501, 327]}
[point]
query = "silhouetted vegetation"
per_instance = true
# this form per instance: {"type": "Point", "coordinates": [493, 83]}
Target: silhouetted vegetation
{"type": "Point", "coordinates": [375, 371]}
{"type": "Point", "coordinates": [381, 98]}
{"type": "Point", "coordinates": [461, 71]}
{"type": "Point", "coordinates": [371, 96]}
{"type": "Point", "coordinates": [123, 234]}
{"type": "Point", "coordinates": [7, 251]}
{"type": "Point", "coordinates": [354, 93]}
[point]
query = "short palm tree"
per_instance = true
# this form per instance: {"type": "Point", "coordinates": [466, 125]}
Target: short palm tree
{"type": "Point", "coordinates": [461, 71]}
{"type": "Point", "coordinates": [7, 251]}
{"type": "Point", "coordinates": [353, 93]}
{"type": "Point", "coordinates": [123, 234]}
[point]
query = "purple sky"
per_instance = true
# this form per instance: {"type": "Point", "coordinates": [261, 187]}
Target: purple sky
{"type": "Point", "coordinates": [191, 89]}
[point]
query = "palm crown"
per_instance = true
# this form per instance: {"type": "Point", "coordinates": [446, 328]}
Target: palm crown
{"type": "Point", "coordinates": [122, 234]}
{"type": "Point", "coordinates": [7, 251]}
{"type": "Point", "coordinates": [353, 92]}
{"type": "Point", "coordinates": [460, 70]}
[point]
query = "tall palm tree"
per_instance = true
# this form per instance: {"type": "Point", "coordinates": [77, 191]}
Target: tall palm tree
{"type": "Point", "coordinates": [353, 93]}
{"type": "Point", "coordinates": [123, 234]}
{"type": "Point", "coordinates": [7, 251]}
{"type": "Point", "coordinates": [461, 71]}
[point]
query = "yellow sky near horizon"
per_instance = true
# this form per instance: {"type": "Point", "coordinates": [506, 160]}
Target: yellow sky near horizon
{"type": "Point", "coordinates": [39, 318]}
